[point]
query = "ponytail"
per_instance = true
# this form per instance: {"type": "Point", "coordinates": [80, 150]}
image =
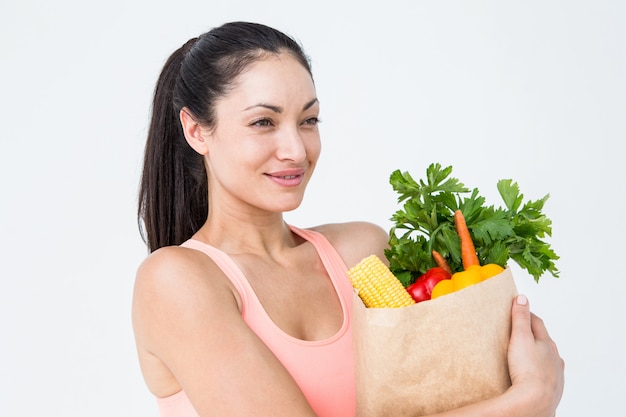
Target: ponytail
{"type": "Point", "coordinates": [173, 195]}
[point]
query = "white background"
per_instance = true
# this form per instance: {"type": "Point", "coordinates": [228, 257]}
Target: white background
{"type": "Point", "coordinates": [529, 90]}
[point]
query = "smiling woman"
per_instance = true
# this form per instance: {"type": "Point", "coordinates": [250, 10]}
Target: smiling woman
{"type": "Point", "coordinates": [246, 303]}
{"type": "Point", "coordinates": [236, 312]}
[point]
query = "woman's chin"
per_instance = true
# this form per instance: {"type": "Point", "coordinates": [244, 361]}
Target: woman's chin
{"type": "Point", "coordinates": [286, 205]}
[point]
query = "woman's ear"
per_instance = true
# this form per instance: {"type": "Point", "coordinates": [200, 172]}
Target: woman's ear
{"type": "Point", "coordinates": [193, 132]}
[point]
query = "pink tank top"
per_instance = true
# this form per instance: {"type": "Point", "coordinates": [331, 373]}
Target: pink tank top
{"type": "Point", "coordinates": [323, 369]}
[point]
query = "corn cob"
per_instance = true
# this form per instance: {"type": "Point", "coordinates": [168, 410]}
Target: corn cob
{"type": "Point", "coordinates": [376, 284]}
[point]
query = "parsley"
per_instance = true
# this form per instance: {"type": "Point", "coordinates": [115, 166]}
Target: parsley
{"type": "Point", "coordinates": [426, 222]}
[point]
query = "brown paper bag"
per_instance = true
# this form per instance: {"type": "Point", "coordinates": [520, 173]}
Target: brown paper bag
{"type": "Point", "coordinates": [435, 355]}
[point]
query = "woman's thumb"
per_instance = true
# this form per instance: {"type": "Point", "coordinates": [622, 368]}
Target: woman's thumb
{"type": "Point", "coordinates": [520, 317]}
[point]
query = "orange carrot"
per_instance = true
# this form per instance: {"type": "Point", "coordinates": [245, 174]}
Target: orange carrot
{"type": "Point", "coordinates": [468, 251]}
{"type": "Point", "coordinates": [441, 261]}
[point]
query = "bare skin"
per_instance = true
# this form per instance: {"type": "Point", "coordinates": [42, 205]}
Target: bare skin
{"type": "Point", "coordinates": [186, 313]}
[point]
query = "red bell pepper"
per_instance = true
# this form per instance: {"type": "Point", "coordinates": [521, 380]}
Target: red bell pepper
{"type": "Point", "coordinates": [421, 289]}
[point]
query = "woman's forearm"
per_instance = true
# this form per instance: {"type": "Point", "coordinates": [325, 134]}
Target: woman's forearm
{"type": "Point", "coordinates": [513, 403]}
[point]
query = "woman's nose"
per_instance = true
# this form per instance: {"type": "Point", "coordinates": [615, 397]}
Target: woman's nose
{"type": "Point", "coordinates": [291, 145]}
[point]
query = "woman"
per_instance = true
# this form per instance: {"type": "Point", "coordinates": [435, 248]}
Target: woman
{"type": "Point", "coordinates": [235, 312]}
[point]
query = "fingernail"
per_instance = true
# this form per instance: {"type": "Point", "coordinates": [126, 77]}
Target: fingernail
{"type": "Point", "coordinates": [522, 300]}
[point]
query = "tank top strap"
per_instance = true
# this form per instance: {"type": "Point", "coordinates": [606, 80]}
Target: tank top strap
{"type": "Point", "coordinates": [226, 264]}
{"type": "Point", "coordinates": [327, 252]}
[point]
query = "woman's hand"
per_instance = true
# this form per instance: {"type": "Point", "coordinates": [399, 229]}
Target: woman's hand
{"type": "Point", "coordinates": [535, 366]}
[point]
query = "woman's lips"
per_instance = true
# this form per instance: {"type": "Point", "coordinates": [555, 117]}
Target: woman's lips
{"type": "Point", "coordinates": [287, 178]}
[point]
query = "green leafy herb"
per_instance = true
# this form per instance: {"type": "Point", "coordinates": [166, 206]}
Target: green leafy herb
{"type": "Point", "coordinates": [426, 223]}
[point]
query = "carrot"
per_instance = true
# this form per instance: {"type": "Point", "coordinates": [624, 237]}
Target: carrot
{"type": "Point", "coordinates": [441, 261]}
{"type": "Point", "coordinates": [468, 251]}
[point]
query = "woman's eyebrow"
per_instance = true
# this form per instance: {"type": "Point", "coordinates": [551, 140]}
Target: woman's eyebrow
{"type": "Point", "coordinates": [310, 104]}
{"type": "Point", "coordinates": [278, 109]}
{"type": "Point", "coordinates": [275, 109]}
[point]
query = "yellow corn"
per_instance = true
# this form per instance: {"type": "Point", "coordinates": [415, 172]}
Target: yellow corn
{"type": "Point", "coordinates": [376, 284]}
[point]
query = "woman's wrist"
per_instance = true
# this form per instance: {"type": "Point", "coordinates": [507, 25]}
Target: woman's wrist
{"type": "Point", "coordinates": [526, 401]}
{"type": "Point", "coordinates": [515, 402]}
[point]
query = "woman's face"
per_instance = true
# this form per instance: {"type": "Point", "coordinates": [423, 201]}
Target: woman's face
{"type": "Point", "coordinates": [266, 142]}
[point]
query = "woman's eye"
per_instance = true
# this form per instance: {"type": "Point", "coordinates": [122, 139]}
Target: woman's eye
{"type": "Point", "coordinates": [262, 123]}
{"type": "Point", "coordinates": [312, 121]}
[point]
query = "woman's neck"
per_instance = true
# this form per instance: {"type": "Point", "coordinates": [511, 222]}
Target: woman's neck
{"type": "Point", "coordinates": [234, 234]}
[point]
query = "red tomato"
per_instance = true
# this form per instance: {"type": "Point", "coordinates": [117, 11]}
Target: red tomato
{"type": "Point", "coordinates": [421, 289]}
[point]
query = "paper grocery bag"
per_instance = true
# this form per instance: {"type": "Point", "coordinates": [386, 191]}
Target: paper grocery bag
{"type": "Point", "coordinates": [436, 355]}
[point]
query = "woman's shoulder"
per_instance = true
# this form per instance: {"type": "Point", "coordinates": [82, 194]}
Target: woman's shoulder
{"type": "Point", "coordinates": [355, 240]}
{"type": "Point", "coordinates": [348, 230]}
{"type": "Point", "coordinates": [176, 271]}
{"type": "Point", "coordinates": [169, 261]}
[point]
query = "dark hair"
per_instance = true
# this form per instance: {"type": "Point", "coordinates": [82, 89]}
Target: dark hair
{"type": "Point", "coordinates": [173, 195]}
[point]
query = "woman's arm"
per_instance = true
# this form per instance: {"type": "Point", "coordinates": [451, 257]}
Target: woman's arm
{"type": "Point", "coordinates": [186, 314]}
